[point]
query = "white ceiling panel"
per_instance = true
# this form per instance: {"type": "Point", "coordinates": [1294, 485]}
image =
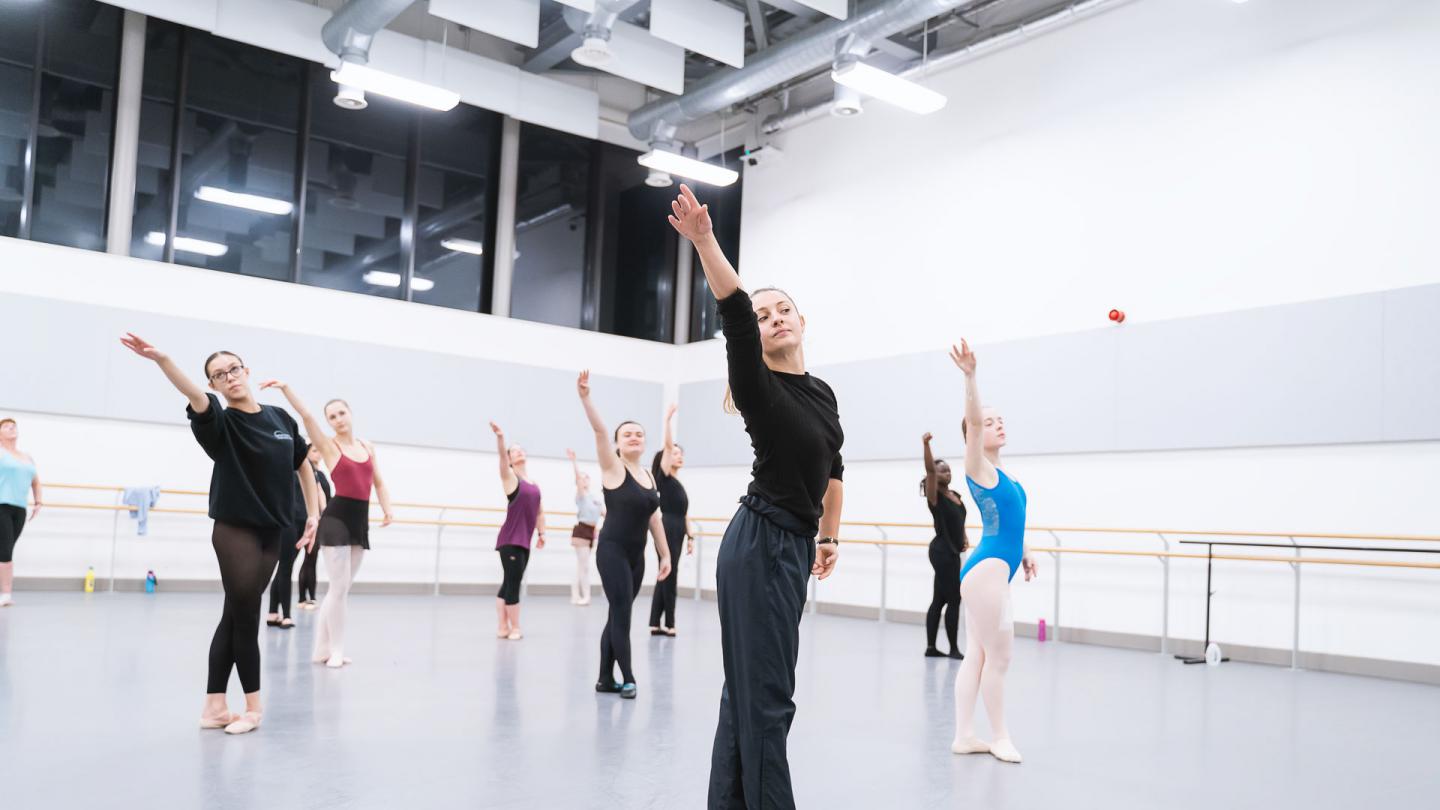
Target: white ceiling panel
{"type": "Point", "coordinates": [702, 26]}
{"type": "Point", "coordinates": [839, 9]}
{"type": "Point", "coordinates": [648, 60]}
{"type": "Point", "coordinates": [515, 20]}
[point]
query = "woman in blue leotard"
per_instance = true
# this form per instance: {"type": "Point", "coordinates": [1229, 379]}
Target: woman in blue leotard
{"type": "Point", "coordinates": [985, 579]}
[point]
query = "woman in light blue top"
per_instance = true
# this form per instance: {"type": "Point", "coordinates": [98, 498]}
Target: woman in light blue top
{"type": "Point", "coordinates": [985, 579]}
{"type": "Point", "coordinates": [588, 511]}
{"type": "Point", "coordinates": [17, 481]}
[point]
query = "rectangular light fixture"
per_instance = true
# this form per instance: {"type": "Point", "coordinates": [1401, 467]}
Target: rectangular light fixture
{"type": "Point", "coordinates": [463, 246]}
{"type": "Point", "coordinates": [397, 87]}
{"type": "Point", "coordinates": [384, 278]}
{"type": "Point", "coordinates": [250, 202]}
{"type": "Point", "coordinates": [888, 87]}
{"type": "Point", "coordinates": [697, 170]}
{"type": "Point", "coordinates": [188, 244]}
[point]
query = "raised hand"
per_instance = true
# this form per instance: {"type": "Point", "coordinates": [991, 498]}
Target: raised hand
{"type": "Point", "coordinates": [670, 411]}
{"type": "Point", "coordinates": [570, 454]}
{"type": "Point", "coordinates": [690, 218]}
{"type": "Point", "coordinates": [582, 385]}
{"type": "Point", "coordinates": [140, 346]}
{"type": "Point", "coordinates": [276, 384]}
{"type": "Point", "coordinates": [927, 437]}
{"type": "Point", "coordinates": [499, 434]}
{"type": "Point", "coordinates": [963, 357]}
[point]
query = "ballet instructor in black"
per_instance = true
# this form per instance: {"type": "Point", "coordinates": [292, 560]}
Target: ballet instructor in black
{"type": "Point", "coordinates": [258, 453]}
{"type": "Point", "coordinates": [769, 550]}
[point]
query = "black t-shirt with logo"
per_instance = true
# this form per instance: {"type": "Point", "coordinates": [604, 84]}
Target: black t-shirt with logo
{"type": "Point", "coordinates": [256, 456]}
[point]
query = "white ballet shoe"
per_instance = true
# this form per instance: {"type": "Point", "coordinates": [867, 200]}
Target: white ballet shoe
{"type": "Point", "coordinates": [970, 745]}
{"type": "Point", "coordinates": [6, 600]}
{"type": "Point", "coordinates": [247, 723]}
{"type": "Point", "coordinates": [337, 661]}
{"type": "Point", "coordinates": [515, 635]}
{"type": "Point", "coordinates": [219, 722]}
{"type": "Point", "coordinates": [1004, 750]}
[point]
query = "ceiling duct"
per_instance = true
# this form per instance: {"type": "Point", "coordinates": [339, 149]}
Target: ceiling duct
{"type": "Point", "coordinates": [349, 33]}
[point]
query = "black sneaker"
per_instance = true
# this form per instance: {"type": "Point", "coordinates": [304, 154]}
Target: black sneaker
{"type": "Point", "coordinates": [628, 691]}
{"type": "Point", "coordinates": [608, 688]}
{"type": "Point", "coordinates": [957, 655]}
{"type": "Point", "coordinates": [931, 652]}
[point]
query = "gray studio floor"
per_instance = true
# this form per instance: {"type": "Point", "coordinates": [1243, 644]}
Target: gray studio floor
{"type": "Point", "coordinates": [99, 697]}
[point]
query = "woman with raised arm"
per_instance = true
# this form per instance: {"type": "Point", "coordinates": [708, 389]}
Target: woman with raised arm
{"type": "Point", "coordinates": [769, 550]}
{"type": "Point", "coordinates": [312, 552]}
{"type": "Point", "coordinates": [947, 510]}
{"type": "Point", "coordinates": [632, 507]}
{"type": "Point", "coordinates": [18, 482]}
{"type": "Point", "coordinates": [588, 511]}
{"type": "Point", "coordinates": [985, 578]}
{"type": "Point", "coordinates": [345, 526]}
{"type": "Point", "coordinates": [257, 453]}
{"type": "Point", "coordinates": [674, 511]}
{"type": "Point", "coordinates": [524, 517]}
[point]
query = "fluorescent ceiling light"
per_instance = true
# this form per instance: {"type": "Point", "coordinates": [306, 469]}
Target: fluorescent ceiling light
{"type": "Point", "coordinates": [463, 246]}
{"type": "Point", "coordinates": [396, 87]}
{"type": "Point", "coordinates": [251, 202]}
{"type": "Point", "coordinates": [697, 170]}
{"type": "Point", "coordinates": [384, 278]}
{"type": "Point", "coordinates": [888, 87]}
{"type": "Point", "coordinates": [188, 244]}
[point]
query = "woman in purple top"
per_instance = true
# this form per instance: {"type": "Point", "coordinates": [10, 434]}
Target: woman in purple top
{"type": "Point", "coordinates": [523, 517]}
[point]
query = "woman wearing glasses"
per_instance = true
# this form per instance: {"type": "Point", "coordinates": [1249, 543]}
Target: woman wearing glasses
{"type": "Point", "coordinates": [345, 527]}
{"type": "Point", "coordinates": [257, 452]}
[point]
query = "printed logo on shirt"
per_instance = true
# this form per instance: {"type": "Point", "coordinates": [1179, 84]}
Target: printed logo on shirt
{"type": "Point", "coordinates": [283, 436]}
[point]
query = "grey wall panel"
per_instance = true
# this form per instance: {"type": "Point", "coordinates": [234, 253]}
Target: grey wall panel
{"type": "Point", "coordinates": [710, 435]}
{"type": "Point", "coordinates": [64, 357]}
{"type": "Point", "coordinates": [1296, 374]}
{"type": "Point", "coordinates": [1362, 368]}
{"type": "Point", "coordinates": [1412, 364]}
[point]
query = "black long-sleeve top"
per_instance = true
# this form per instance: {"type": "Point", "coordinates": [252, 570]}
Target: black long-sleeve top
{"type": "Point", "coordinates": [793, 419]}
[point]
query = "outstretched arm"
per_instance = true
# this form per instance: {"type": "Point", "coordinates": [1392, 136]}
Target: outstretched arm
{"type": "Point", "coordinates": [329, 450]}
{"type": "Point", "coordinates": [508, 480]}
{"type": "Point", "coordinates": [667, 456]}
{"type": "Point", "coordinates": [199, 403]}
{"type": "Point", "coordinates": [612, 470]}
{"type": "Point", "coordinates": [692, 221]}
{"type": "Point", "coordinates": [931, 485]}
{"type": "Point", "coordinates": [657, 531]}
{"type": "Point", "coordinates": [979, 468]}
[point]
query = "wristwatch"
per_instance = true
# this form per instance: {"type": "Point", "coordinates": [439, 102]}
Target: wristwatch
{"type": "Point", "coordinates": [827, 540]}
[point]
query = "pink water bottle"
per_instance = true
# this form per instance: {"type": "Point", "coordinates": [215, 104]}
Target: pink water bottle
{"type": "Point", "coordinates": [1041, 634]}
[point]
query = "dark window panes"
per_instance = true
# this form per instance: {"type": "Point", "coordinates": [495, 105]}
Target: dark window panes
{"type": "Point", "coordinates": [637, 250]}
{"type": "Point", "coordinates": [355, 193]}
{"type": "Point", "coordinates": [82, 41]}
{"type": "Point", "coordinates": [72, 163]}
{"type": "Point", "coordinates": [551, 205]}
{"type": "Point", "coordinates": [16, 91]}
{"type": "Point", "coordinates": [157, 121]}
{"type": "Point", "coordinates": [458, 153]}
{"type": "Point", "coordinates": [237, 180]}
{"type": "Point", "coordinates": [19, 24]}
{"type": "Point", "coordinates": [724, 205]}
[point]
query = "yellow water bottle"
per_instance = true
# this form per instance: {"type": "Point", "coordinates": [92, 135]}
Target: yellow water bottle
{"type": "Point", "coordinates": [90, 580]}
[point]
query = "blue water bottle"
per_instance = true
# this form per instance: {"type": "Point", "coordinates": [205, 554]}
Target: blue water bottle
{"type": "Point", "coordinates": [149, 581]}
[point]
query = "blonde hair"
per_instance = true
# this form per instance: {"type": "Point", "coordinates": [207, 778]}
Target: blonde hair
{"type": "Point", "coordinates": [728, 403]}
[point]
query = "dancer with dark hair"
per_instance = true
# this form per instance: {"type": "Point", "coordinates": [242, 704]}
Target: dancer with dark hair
{"type": "Point", "coordinates": [312, 551]}
{"type": "Point", "coordinates": [769, 550]}
{"type": "Point", "coordinates": [947, 510]}
{"type": "Point", "coordinates": [257, 453]}
{"type": "Point", "coordinates": [632, 506]}
{"type": "Point", "coordinates": [674, 511]}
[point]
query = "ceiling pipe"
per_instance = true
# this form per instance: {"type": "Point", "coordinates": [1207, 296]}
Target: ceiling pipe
{"type": "Point", "coordinates": [595, 29]}
{"type": "Point", "coordinates": [351, 31]}
{"type": "Point", "coordinates": [794, 57]}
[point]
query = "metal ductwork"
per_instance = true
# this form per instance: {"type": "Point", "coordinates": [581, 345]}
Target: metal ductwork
{"type": "Point", "coordinates": [352, 28]}
{"type": "Point", "coordinates": [594, 29]}
{"type": "Point", "coordinates": [781, 63]}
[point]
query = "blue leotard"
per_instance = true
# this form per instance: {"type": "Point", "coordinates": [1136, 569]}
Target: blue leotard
{"type": "Point", "coordinates": [1002, 513]}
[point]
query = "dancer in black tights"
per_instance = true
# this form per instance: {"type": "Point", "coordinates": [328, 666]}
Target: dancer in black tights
{"type": "Point", "coordinates": [632, 506]}
{"type": "Point", "coordinates": [948, 512]}
{"type": "Point", "coordinates": [674, 511]}
{"type": "Point", "coordinates": [312, 553]}
{"type": "Point", "coordinates": [770, 550]}
{"type": "Point", "coordinates": [257, 452]}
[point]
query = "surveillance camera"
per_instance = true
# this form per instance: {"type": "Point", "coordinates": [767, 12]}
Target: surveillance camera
{"type": "Point", "coordinates": [762, 156]}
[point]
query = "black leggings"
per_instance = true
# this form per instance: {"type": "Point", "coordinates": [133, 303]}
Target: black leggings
{"type": "Point", "coordinates": [12, 522]}
{"type": "Point", "coordinates": [513, 560]}
{"type": "Point", "coordinates": [247, 559]}
{"type": "Point", "coordinates": [947, 593]}
{"type": "Point", "coordinates": [662, 603]}
{"type": "Point", "coordinates": [307, 573]}
{"type": "Point", "coordinates": [620, 575]}
{"type": "Point", "coordinates": [280, 588]}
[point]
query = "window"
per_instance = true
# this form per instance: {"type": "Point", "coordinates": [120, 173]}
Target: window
{"type": "Point", "coordinates": [637, 250]}
{"type": "Point", "coordinates": [552, 199]}
{"type": "Point", "coordinates": [724, 205]}
{"type": "Point", "coordinates": [454, 222]}
{"type": "Point", "coordinates": [153, 175]}
{"type": "Point", "coordinates": [55, 125]}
